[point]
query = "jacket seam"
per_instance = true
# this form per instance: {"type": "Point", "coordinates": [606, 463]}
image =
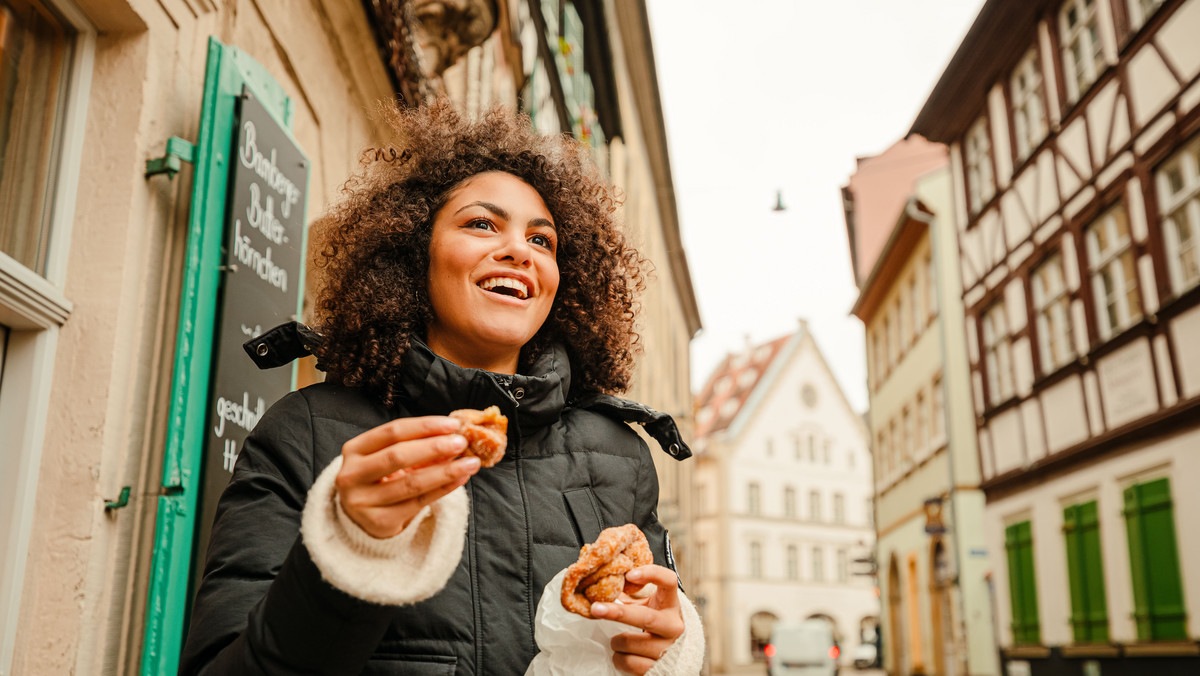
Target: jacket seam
{"type": "Point", "coordinates": [530, 606]}
{"type": "Point", "coordinates": [476, 601]}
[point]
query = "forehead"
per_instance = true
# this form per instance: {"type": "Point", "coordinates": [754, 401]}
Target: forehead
{"type": "Point", "coordinates": [498, 187]}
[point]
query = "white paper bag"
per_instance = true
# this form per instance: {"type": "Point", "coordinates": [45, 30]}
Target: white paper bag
{"type": "Point", "coordinates": [571, 645]}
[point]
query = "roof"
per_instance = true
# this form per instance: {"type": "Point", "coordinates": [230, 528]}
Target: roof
{"type": "Point", "coordinates": [728, 389]}
{"type": "Point", "coordinates": [1000, 35]}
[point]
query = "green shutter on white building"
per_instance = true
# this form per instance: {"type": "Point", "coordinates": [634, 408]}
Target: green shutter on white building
{"type": "Point", "coordinates": [1159, 611]}
{"type": "Point", "coordinates": [1085, 573]}
{"type": "Point", "coordinates": [1022, 584]}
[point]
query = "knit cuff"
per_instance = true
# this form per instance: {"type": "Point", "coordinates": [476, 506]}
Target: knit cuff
{"type": "Point", "coordinates": [403, 569]}
{"type": "Point", "coordinates": [685, 657]}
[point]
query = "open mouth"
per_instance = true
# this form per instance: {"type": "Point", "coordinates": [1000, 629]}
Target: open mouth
{"type": "Point", "coordinates": [505, 286]}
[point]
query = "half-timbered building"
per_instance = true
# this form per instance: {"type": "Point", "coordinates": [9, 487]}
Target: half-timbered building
{"type": "Point", "coordinates": [1074, 135]}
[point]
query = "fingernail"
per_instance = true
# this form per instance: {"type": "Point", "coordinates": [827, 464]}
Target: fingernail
{"type": "Point", "coordinates": [454, 442]}
{"type": "Point", "coordinates": [634, 575]}
{"type": "Point", "coordinates": [599, 609]}
{"type": "Point", "coordinates": [469, 464]}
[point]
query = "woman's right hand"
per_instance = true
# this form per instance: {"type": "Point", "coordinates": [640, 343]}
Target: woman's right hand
{"type": "Point", "coordinates": [390, 472]}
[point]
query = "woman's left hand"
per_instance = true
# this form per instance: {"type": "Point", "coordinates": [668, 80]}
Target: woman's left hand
{"type": "Point", "coordinates": [658, 619]}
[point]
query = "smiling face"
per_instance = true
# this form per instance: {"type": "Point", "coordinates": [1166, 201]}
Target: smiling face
{"type": "Point", "coordinates": [492, 272]}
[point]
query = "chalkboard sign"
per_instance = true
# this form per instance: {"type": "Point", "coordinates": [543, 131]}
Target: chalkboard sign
{"type": "Point", "coordinates": [261, 284]}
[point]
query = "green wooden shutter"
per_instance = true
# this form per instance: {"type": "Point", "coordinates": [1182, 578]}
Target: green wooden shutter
{"type": "Point", "coordinates": [1085, 572]}
{"type": "Point", "coordinates": [1022, 584]}
{"type": "Point", "coordinates": [1154, 562]}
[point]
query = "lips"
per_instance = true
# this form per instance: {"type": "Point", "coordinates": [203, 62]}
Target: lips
{"type": "Point", "coordinates": [506, 286]}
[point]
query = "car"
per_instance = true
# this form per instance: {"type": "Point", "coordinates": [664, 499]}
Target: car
{"type": "Point", "coordinates": [865, 655]}
{"type": "Point", "coordinates": [802, 649]}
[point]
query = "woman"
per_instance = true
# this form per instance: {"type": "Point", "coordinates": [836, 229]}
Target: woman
{"type": "Point", "coordinates": [479, 267]}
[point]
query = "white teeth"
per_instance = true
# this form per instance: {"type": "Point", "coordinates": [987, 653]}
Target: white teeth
{"type": "Point", "coordinates": [517, 285]}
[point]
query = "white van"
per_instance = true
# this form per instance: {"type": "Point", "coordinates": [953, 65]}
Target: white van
{"type": "Point", "coordinates": [802, 649]}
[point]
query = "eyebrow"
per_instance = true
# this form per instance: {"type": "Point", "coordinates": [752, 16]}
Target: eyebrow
{"type": "Point", "coordinates": [502, 213]}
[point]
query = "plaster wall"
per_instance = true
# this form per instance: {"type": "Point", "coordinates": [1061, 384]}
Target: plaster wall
{"type": "Point", "coordinates": [1043, 502]}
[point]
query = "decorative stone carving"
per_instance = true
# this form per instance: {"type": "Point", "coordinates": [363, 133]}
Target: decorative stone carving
{"type": "Point", "coordinates": [448, 29]}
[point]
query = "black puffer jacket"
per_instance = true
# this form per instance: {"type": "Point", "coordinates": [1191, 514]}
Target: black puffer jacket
{"type": "Point", "coordinates": [570, 470]}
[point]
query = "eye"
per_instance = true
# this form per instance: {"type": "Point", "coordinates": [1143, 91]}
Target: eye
{"type": "Point", "coordinates": [480, 224]}
{"type": "Point", "coordinates": [542, 241]}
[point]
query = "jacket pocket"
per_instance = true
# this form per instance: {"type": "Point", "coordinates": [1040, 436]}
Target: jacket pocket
{"type": "Point", "coordinates": [581, 503]}
{"type": "Point", "coordinates": [412, 665]}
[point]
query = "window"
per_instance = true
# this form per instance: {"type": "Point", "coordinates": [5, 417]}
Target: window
{"type": "Point", "coordinates": [770, 447]}
{"type": "Point", "coordinates": [997, 347]}
{"type": "Point", "coordinates": [1085, 570]}
{"type": "Point", "coordinates": [906, 431]}
{"type": "Point", "coordinates": [903, 311]}
{"type": "Point", "coordinates": [796, 444]}
{"type": "Point", "coordinates": [818, 565]}
{"type": "Point", "coordinates": [1113, 273]}
{"type": "Point", "coordinates": [931, 286]}
{"type": "Point", "coordinates": [1081, 49]}
{"type": "Point", "coordinates": [918, 318]}
{"type": "Point", "coordinates": [1052, 305]}
{"type": "Point", "coordinates": [814, 506]}
{"type": "Point", "coordinates": [937, 413]}
{"type": "Point", "coordinates": [793, 562]}
{"type": "Point", "coordinates": [828, 451]}
{"type": "Point", "coordinates": [920, 428]}
{"type": "Point", "coordinates": [1140, 11]}
{"type": "Point", "coordinates": [843, 566]}
{"type": "Point", "coordinates": [881, 450]}
{"type": "Point", "coordinates": [812, 447]}
{"type": "Point", "coordinates": [895, 446]}
{"type": "Point", "coordinates": [756, 560]}
{"type": "Point", "coordinates": [851, 459]}
{"type": "Point", "coordinates": [789, 502]}
{"type": "Point", "coordinates": [35, 51]}
{"type": "Point", "coordinates": [1022, 585]}
{"type": "Point", "coordinates": [981, 184]}
{"type": "Point", "coordinates": [1159, 611]}
{"type": "Point", "coordinates": [1179, 200]}
{"type": "Point", "coordinates": [893, 328]}
{"type": "Point", "coordinates": [752, 499]}
{"type": "Point", "coordinates": [839, 508]}
{"type": "Point", "coordinates": [1029, 118]}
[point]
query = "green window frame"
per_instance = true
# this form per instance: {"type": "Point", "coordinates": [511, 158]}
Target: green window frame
{"type": "Point", "coordinates": [1022, 584]}
{"type": "Point", "coordinates": [1085, 573]}
{"type": "Point", "coordinates": [1159, 611]}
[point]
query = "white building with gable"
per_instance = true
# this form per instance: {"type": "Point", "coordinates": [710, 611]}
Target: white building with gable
{"type": "Point", "coordinates": [783, 502]}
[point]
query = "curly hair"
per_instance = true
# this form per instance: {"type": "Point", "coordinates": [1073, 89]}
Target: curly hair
{"type": "Point", "coordinates": [374, 298]}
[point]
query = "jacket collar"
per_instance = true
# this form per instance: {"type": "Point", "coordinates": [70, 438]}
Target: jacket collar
{"type": "Point", "coordinates": [432, 385]}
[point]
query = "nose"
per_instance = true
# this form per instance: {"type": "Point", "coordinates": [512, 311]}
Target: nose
{"type": "Point", "coordinates": [515, 249]}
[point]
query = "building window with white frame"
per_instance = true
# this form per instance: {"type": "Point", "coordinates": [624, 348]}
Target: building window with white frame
{"type": "Point", "coordinates": [931, 305]}
{"type": "Point", "coordinates": [1028, 114]}
{"type": "Point", "coordinates": [1052, 304]}
{"type": "Point", "coordinates": [814, 506]}
{"type": "Point", "coordinates": [753, 501]}
{"type": "Point", "coordinates": [920, 428]}
{"type": "Point", "coordinates": [1082, 52]}
{"type": "Point", "coordinates": [756, 570]}
{"type": "Point", "coordinates": [1113, 272]}
{"type": "Point", "coordinates": [1140, 12]}
{"type": "Point", "coordinates": [818, 564]}
{"type": "Point", "coordinates": [793, 562]}
{"type": "Point", "coordinates": [997, 349]}
{"type": "Point", "coordinates": [839, 508]}
{"type": "Point", "coordinates": [843, 566]}
{"type": "Point", "coordinates": [937, 411]}
{"type": "Point", "coordinates": [918, 317]}
{"type": "Point", "coordinates": [1179, 201]}
{"type": "Point", "coordinates": [789, 502]}
{"type": "Point", "coordinates": [981, 181]}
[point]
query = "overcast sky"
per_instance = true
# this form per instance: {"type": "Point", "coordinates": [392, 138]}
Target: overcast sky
{"type": "Point", "coordinates": [766, 95]}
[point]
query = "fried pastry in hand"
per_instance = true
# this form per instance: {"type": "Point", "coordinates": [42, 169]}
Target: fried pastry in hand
{"type": "Point", "coordinates": [486, 432]}
{"type": "Point", "coordinates": [599, 574]}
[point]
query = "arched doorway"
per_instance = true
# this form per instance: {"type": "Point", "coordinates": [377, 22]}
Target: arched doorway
{"type": "Point", "coordinates": [761, 625]}
{"type": "Point", "coordinates": [837, 633]}
{"type": "Point", "coordinates": [941, 580]}
{"type": "Point", "coordinates": [894, 641]}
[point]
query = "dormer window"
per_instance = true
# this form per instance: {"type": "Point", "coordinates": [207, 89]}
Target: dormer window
{"type": "Point", "coordinates": [1082, 52]}
{"type": "Point", "coordinates": [981, 182]}
{"type": "Point", "coordinates": [1029, 117]}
